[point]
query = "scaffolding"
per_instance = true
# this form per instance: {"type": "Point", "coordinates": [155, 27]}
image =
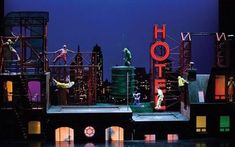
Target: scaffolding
{"type": "Point", "coordinates": [81, 70]}
{"type": "Point", "coordinates": [31, 28]}
{"type": "Point", "coordinates": [185, 56]}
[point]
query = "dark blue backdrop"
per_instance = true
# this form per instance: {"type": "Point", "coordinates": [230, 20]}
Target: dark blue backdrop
{"type": "Point", "coordinates": [115, 24]}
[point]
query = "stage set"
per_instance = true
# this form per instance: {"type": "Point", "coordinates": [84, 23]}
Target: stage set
{"type": "Point", "coordinates": [60, 96]}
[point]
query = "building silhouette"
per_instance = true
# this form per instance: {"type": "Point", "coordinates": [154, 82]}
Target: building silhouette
{"type": "Point", "coordinates": [97, 57]}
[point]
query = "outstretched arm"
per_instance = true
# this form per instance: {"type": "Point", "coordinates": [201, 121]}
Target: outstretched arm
{"type": "Point", "coordinates": [186, 81]}
{"type": "Point", "coordinates": [70, 51]}
{"type": "Point", "coordinates": [17, 37]}
{"type": "Point", "coordinates": [59, 50]}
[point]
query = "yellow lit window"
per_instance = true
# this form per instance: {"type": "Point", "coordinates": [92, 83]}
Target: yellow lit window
{"type": "Point", "coordinates": [201, 124]}
{"type": "Point", "coordinates": [9, 88]}
{"type": "Point", "coordinates": [34, 127]}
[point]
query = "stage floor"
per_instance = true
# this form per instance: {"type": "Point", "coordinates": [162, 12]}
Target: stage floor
{"type": "Point", "coordinates": [159, 116]}
{"type": "Point", "coordinates": [89, 109]}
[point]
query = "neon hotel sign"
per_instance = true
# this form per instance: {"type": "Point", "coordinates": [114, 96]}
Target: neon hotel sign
{"type": "Point", "coordinates": [159, 80]}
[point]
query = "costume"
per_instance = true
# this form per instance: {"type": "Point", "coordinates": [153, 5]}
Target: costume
{"type": "Point", "coordinates": [231, 85]}
{"type": "Point", "coordinates": [10, 44]}
{"type": "Point", "coordinates": [182, 87]}
{"type": "Point", "coordinates": [127, 57]}
{"type": "Point", "coordinates": [63, 85]}
{"type": "Point", "coordinates": [136, 97]}
{"type": "Point", "coordinates": [160, 98]}
{"type": "Point", "coordinates": [62, 54]}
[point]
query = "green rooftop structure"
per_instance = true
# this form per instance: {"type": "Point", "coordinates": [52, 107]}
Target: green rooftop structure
{"type": "Point", "coordinates": [123, 83]}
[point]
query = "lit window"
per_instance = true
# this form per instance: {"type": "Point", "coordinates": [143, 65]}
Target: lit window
{"type": "Point", "coordinates": [149, 137]}
{"type": "Point", "coordinates": [34, 127]}
{"type": "Point", "coordinates": [201, 124]}
{"type": "Point", "coordinates": [89, 131]}
{"type": "Point", "coordinates": [8, 86]}
{"type": "Point", "coordinates": [114, 133]}
{"type": "Point", "coordinates": [224, 123]}
{"type": "Point", "coordinates": [34, 91]}
{"type": "Point", "coordinates": [172, 137]}
{"type": "Point", "coordinates": [64, 134]}
{"type": "Point", "coordinates": [220, 87]}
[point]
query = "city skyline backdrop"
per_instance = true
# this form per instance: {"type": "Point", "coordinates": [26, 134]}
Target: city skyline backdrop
{"type": "Point", "coordinates": [116, 24]}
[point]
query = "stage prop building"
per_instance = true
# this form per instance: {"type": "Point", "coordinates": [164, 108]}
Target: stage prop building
{"type": "Point", "coordinates": [68, 101]}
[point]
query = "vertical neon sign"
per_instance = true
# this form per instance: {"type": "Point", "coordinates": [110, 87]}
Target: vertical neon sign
{"type": "Point", "coordinates": [158, 60]}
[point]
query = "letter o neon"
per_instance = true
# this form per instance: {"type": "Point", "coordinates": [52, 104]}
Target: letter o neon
{"type": "Point", "coordinates": [156, 57]}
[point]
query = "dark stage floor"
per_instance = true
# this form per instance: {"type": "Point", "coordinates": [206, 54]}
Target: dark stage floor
{"type": "Point", "coordinates": [205, 142]}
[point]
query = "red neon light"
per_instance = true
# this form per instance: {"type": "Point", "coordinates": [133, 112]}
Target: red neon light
{"type": "Point", "coordinates": [156, 57]}
{"type": "Point", "coordinates": [160, 30]}
{"type": "Point", "coordinates": [160, 66]}
{"type": "Point", "coordinates": [161, 83]}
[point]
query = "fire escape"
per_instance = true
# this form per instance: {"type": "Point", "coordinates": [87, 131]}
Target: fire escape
{"type": "Point", "coordinates": [31, 27]}
{"type": "Point", "coordinates": [31, 30]}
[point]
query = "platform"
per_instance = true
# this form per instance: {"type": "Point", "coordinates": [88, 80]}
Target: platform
{"type": "Point", "coordinates": [89, 109]}
{"type": "Point", "coordinates": [159, 116]}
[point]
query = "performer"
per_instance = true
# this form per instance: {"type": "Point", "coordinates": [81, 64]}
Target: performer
{"type": "Point", "coordinates": [62, 54]}
{"type": "Point", "coordinates": [230, 85]}
{"type": "Point", "coordinates": [127, 57]}
{"type": "Point", "coordinates": [10, 44]}
{"type": "Point", "coordinates": [136, 97]}
{"type": "Point", "coordinates": [182, 88]}
{"type": "Point", "coordinates": [63, 85]}
{"type": "Point", "coordinates": [160, 98]}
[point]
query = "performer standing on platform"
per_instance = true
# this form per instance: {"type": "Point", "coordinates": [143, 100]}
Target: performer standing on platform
{"type": "Point", "coordinates": [160, 98]}
{"type": "Point", "coordinates": [10, 44]}
{"type": "Point", "coordinates": [127, 57]}
{"type": "Point", "coordinates": [231, 86]}
{"type": "Point", "coordinates": [62, 54]}
{"type": "Point", "coordinates": [136, 97]}
{"type": "Point", "coordinates": [182, 88]}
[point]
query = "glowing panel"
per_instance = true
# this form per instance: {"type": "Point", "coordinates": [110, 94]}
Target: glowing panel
{"type": "Point", "coordinates": [9, 91]}
{"type": "Point", "coordinates": [201, 124]}
{"type": "Point", "coordinates": [149, 137]}
{"type": "Point", "coordinates": [224, 123]}
{"type": "Point", "coordinates": [89, 131]}
{"type": "Point", "coordinates": [114, 133]}
{"type": "Point", "coordinates": [64, 134]}
{"type": "Point", "coordinates": [219, 87]}
{"type": "Point", "coordinates": [172, 137]}
{"type": "Point", "coordinates": [34, 91]}
{"type": "Point", "coordinates": [34, 127]}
